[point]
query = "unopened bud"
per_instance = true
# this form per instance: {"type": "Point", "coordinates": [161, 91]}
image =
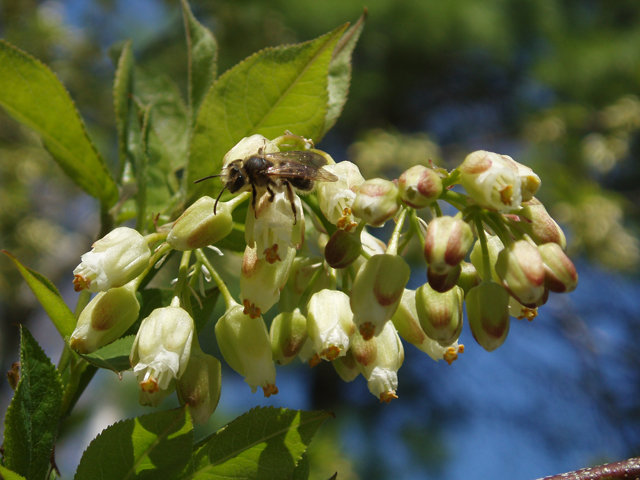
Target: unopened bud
{"type": "Point", "coordinates": [342, 249]}
{"type": "Point", "coordinates": [199, 386]}
{"type": "Point", "coordinates": [447, 242]}
{"type": "Point", "coordinates": [536, 222]}
{"type": "Point", "coordinates": [376, 292]}
{"type": "Point", "coordinates": [419, 186]}
{"type": "Point", "coordinates": [445, 281]}
{"type": "Point", "coordinates": [376, 201]}
{"type": "Point", "coordinates": [288, 333]}
{"type": "Point", "coordinates": [521, 271]}
{"type": "Point", "coordinates": [107, 316]}
{"type": "Point", "coordinates": [199, 226]}
{"type": "Point", "coordinates": [488, 314]}
{"type": "Point", "coordinates": [440, 314]}
{"type": "Point", "coordinates": [560, 274]}
{"type": "Point", "coordinates": [468, 277]}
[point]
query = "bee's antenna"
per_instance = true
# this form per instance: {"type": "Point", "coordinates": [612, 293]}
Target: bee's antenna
{"type": "Point", "coordinates": [207, 178]}
{"type": "Point", "coordinates": [219, 195]}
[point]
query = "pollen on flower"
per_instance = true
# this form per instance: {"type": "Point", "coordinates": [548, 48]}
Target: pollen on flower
{"type": "Point", "coordinates": [81, 283]}
{"type": "Point", "coordinates": [367, 330]}
{"type": "Point", "coordinates": [269, 390]}
{"type": "Point", "coordinates": [528, 313]}
{"type": "Point", "coordinates": [150, 385]}
{"type": "Point", "coordinates": [344, 222]}
{"type": "Point", "coordinates": [250, 309]}
{"type": "Point", "coordinates": [315, 360]}
{"type": "Point", "coordinates": [386, 397]}
{"type": "Point", "coordinates": [506, 194]}
{"type": "Point", "coordinates": [331, 353]}
{"type": "Point", "coordinates": [451, 355]}
{"type": "Point", "coordinates": [271, 254]}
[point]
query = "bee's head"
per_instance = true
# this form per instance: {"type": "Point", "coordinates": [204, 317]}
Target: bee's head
{"type": "Point", "coordinates": [234, 178]}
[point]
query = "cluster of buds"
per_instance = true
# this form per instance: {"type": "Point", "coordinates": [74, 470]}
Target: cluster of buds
{"type": "Point", "coordinates": [341, 294]}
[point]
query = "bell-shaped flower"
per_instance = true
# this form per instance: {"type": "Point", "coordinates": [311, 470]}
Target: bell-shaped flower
{"type": "Point", "coordinates": [382, 372]}
{"type": "Point", "coordinates": [492, 181]}
{"type": "Point", "coordinates": [199, 386]}
{"type": "Point", "coordinates": [521, 271]}
{"type": "Point", "coordinates": [488, 314]}
{"type": "Point", "coordinates": [261, 281]}
{"type": "Point", "coordinates": [330, 323]}
{"type": "Point", "coordinates": [244, 344]}
{"type": "Point", "coordinates": [560, 274]}
{"type": "Point", "coordinates": [440, 314]}
{"type": "Point", "coordinates": [336, 198]}
{"type": "Point", "coordinates": [107, 316]}
{"type": "Point", "coordinates": [342, 249]}
{"type": "Point", "coordinates": [272, 227]}
{"type": "Point", "coordinates": [408, 325]}
{"type": "Point", "coordinates": [376, 292]}
{"type": "Point", "coordinates": [447, 242]}
{"type": "Point", "coordinates": [288, 333]}
{"type": "Point", "coordinates": [199, 227]}
{"type": "Point", "coordinates": [519, 311]}
{"type": "Point", "coordinates": [376, 201]}
{"type": "Point", "coordinates": [114, 260]}
{"type": "Point", "coordinates": [161, 350]}
{"type": "Point", "coordinates": [419, 186]}
{"type": "Point", "coordinates": [534, 220]}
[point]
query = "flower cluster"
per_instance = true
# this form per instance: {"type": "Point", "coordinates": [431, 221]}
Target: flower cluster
{"type": "Point", "coordinates": [332, 291]}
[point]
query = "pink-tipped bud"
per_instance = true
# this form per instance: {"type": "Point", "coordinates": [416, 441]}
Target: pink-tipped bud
{"type": "Point", "coordinates": [560, 274]}
{"type": "Point", "coordinates": [447, 242]}
{"type": "Point", "coordinates": [342, 249]}
{"type": "Point", "coordinates": [521, 271]}
{"type": "Point", "coordinates": [445, 281]}
{"type": "Point", "coordinates": [376, 201]}
{"type": "Point", "coordinates": [536, 222]}
{"type": "Point", "coordinates": [440, 314]}
{"type": "Point", "coordinates": [488, 314]}
{"type": "Point", "coordinates": [419, 186]}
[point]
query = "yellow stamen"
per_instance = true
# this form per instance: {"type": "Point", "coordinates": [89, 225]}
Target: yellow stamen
{"type": "Point", "coordinates": [270, 390]}
{"type": "Point", "coordinates": [250, 309]}
{"type": "Point", "coordinates": [386, 397]}
{"type": "Point", "coordinates": [331, 353]}
{"type": "Point", "coordinates": [367, 330]}
{"type": "Point", "coordinates": [506, 193]}
{"type": "Point", "coordinates": [150, 385]}
{"type": "Point", "coordinates": [271, 254]}
{"type": "Point", "coordinates": [315, 360]}
{"type": "Point", "coordinates": [81, 283]}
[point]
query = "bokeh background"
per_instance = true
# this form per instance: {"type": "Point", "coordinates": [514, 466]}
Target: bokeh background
{"type": "Point", "coordinates": [553, 83]}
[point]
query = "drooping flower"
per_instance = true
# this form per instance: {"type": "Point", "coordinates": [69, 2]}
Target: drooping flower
{"type": "Point", "coordinates": [199, 227]}
{"type": "Point", "coordinates": [336, 198]}
{"type": "Point", "coordinates": [330, 323]}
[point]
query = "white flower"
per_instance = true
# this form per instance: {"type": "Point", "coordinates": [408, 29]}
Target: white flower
{"type": "Point", "coordinates": [336, 198]}
{"type": "Point", "coordinates": [115, 259]}
{"type": "Point", "coordinates": [161, 350]}
{"type": "Point", "coordinates": [249, 146]}
{"type": "Point", "coordinates": [330, 323]}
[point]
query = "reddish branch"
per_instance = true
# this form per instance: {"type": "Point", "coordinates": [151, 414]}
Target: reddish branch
{"type": "Point", "coordinates": [627, 469]}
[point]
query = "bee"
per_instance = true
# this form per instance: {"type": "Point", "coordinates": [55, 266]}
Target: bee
{"type": "Point", "coordinates": [291, 170]}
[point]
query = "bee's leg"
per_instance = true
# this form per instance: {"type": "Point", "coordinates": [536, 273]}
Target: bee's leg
{"type": "Point", "coordinates": [253, 199]}
{"type": "Point", "coordinates": [291, 199]}
{"type": "Point", "coordinates": [272, 195]}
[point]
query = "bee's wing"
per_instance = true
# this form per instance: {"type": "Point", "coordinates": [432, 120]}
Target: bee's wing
{"type": "Point", "coordinates": [299, 164]}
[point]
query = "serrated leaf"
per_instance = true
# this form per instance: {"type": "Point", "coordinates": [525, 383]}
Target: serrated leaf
{"type": "Point", "coordinates": [49, 297]}
{"type": "Point", "coordinates": [122, 89]}
{"type": "Point", "coordinates": [114, 356]}
{"type": "Point", "coordinates": [340, 73]}
{"type": "Point", "coordinates": [264, 443]}
{"type": "Point", "coordinates": [31, 423]}
{"type": "Point", "coordinates": [6, 474]}
{"type": "Point", "coordinates": [202, 52]}
{"type": "Point", "coordinates": [32, 94]}
{"type": "Point", "coordinates": [155, 446]}
{"type": "Point", "coordinates": [274, 90]}
{"type": "Point", "coordinates": [301, 472]}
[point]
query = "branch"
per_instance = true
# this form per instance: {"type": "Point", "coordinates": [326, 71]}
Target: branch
{"type": "Point", "coordinates": [626, 469]}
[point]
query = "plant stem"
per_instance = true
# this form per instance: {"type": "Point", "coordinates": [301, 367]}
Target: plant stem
{"type": "Point", "coordinates": [228, 298]}
{"type": "Point", "coordinates": [486, 261]}
{"type": "Point", "coordinates": [417, 227]}
{"type": "Point", "coordinates": [458, 200]}
{"type": "Point", "coordinates": [626, 469]}
{"type": "Point", "coordinates": [392, 249]}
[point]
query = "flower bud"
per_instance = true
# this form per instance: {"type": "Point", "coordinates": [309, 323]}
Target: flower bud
{"type": "Point", "coordinates": [346, 367]}
{"type": "Point", "coordinates": [261, 281]}
{"type": "Point", "coordinates": [364, 351]}
{"type": "Point", "coordinates": [342, 249]}
{"type": "Point", "coordinates": [114, 260]}
{"type": "Point", "coordinates": [447, 242]}
{"type": "Point", "coordinates": [161, 350]}
{"type": "Point", "coordinates": [199, 227]}
{"type": "Point", "coordinates": [440, 314]}
{"type": "Point", "coordinates": [560, 274]}
{"type": "Point", "coordinates": [287, 334]}
{"type": "Point", "coordinates": [521, 271]}
{"type": "Point", "coordinates": [468, 277]}
{"type": "Point", "coordinates": [376, 292]}
{"type": "Point", "coordinates": [244, 344]}
{"type": "Point", "coordinates": [408, 325]}
{"type": "Point", "coordinates": [444, 282]}
{"type": "Point", "coordinates": [376, 201]}
{"type": "Point", "coordinates": [336, 198]}
{"type": "Point", "coordinates": [107, 316]}
{"type": "Point", "coordinates": [199, 386]}
{"type": "Point", "coordinates": [419, 186]}
{"type": "Point", "coordinates": [330, 323]}
{"type": "Point", "coordinates": [382, 373]}
{"type": "Point", "coordinates": [495, 246]}
{"type": "Point", "coordinates": [491, 181]}
{"type": "Point", "coordinates": [538, 224]}
{"type": "Point", "coordinates": [488, 314]}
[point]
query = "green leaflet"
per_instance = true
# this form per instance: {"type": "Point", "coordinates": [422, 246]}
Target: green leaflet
{"type": "Point", "coordinates": [114, 356]}
{"type": "Point", "coordinates": [31, 423]}
{"type": "Point", "coordinates": [32, 94]}
{"type": "Point", "coordinates": [49, 297]}
{"type": "Point", "coordinates": [274, 90]}
{"type": "Point", "coordinates": [155, 446]}
{"type": "Point", "coordinates": [6, 474]}
{"type": "Point", "coordinates": [264, 443]}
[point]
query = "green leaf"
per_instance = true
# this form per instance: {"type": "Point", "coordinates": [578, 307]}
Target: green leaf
{"type": "Point", "coordinates": [6, 474]}
{"type": "Point", "coordinates": [340, 73]}
{"type": "Point", "coordinates": [114, 356]}
{"type": "Point", "coordinates": [264, 443]}
{"type": "Point", "coordinates": [301, 472]}
{"type": "Point", "coordinates": [31, 423]}
{"type": "Point", "coordinates": [32, 94]}
{"type": "Point", "coordinates": [202, 53]}
{"type": "Point", "coordinates": [49, 297]}
{"type": "Point", "coordinates": [274, 90]}
{"type": "Point", "coordinates": [122, 89]}
{"type": "Point", "coordinates": [154, 446]}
